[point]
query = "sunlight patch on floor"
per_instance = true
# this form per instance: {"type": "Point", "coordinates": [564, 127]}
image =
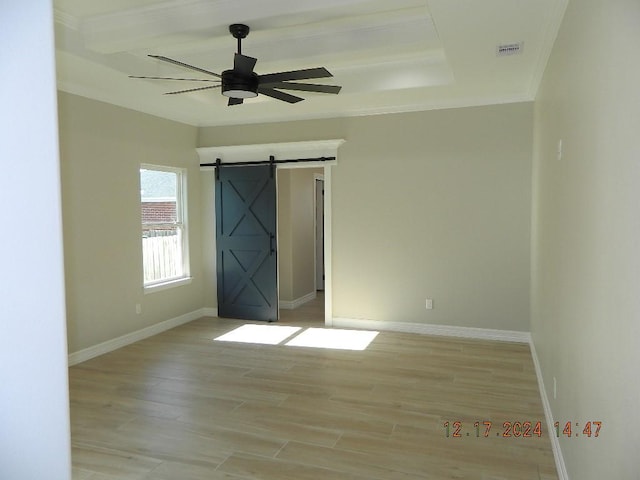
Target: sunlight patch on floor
{"type": "Point", "coordinates": [261, 334]}
{"type": "Point", "coordinates": [311, 337]}
{"type": "Point", "coordinates": [333, 338]}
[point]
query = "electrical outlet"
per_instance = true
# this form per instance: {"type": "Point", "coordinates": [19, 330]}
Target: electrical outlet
{"type": "Point", "coordinates": [429, 304]}
{"type": "Point", "coordinates": [555, 388]}
{"type": "Point", "coordinates": [138, 308]}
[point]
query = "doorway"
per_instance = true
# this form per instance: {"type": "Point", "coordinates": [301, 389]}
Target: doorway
{"type": "Point", "coordinates": [299, 237]}
{"type": "Point", "coordinates": [298, 230]}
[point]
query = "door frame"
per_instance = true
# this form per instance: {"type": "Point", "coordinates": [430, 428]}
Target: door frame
{"type": "Point", "coordinates": [301, 149]}
{"type": "Point", "coordinates": [318, 178]}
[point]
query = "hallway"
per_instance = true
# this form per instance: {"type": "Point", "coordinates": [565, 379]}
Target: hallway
{"type": "Point", "coordinates": [311, 314]}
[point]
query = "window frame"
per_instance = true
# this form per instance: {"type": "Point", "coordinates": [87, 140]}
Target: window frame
{"type": "Point", "coordinates": [181, 224]}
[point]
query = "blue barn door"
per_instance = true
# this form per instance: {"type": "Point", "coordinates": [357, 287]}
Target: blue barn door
{"type": "Point", "coordinates": [246, 243]}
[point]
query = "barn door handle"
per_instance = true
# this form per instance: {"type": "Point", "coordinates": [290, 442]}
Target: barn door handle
{"type": "Point", "coordinates": [272, 250]}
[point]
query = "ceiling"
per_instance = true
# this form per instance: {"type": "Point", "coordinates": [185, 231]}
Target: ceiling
{"type": "Point", "coordinates": [389, 56]}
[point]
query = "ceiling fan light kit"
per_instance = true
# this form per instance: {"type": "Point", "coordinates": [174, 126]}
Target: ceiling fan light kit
{"type": "Point", "coordinates": [239, 86]}
{"type": "Point", "coordinates": [242, 82]}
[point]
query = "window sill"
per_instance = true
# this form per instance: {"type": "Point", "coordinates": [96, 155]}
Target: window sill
{"type": "Point", "coordinates": [158, 287]}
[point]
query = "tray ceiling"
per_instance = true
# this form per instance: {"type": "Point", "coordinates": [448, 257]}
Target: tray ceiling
{"type": "Point", "coordinates": [404, 55]}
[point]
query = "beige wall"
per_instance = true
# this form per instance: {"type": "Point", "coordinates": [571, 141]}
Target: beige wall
{"type": "Point", "coordinates": [430, 204]}
{"type": "Point", "coordinates": [285, 251]}
{"type": "Point", "coordinates": [303, 230]}
{"type": "Point", "coordinates": [586, 260]}
{"type": "Point", "coordinates": [296, 232]}
{"type": "Point", "coordinates": [208, 219]}
{"type": "Point", "coordinates": [102, 147]}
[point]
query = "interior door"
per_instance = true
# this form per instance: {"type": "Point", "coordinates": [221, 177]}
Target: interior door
{"type": "Point", "coordinates": [246, 243]}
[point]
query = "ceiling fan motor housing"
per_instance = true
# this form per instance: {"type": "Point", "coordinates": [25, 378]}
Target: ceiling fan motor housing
{"type": "Point", "coordinates": [239, 30]}
{"type": "Point", "coordinates": [238, 85]}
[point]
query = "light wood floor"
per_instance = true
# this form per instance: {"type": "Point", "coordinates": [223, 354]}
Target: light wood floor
{"type": "Point", "coordinates": [181, 406]}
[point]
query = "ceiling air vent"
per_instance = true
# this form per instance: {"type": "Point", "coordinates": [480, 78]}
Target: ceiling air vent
{"type": "Point", "coordinates": [509, 49]}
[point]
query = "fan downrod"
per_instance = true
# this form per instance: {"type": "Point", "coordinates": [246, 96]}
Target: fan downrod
{"type": "Point", "coordinates": [239, 31]}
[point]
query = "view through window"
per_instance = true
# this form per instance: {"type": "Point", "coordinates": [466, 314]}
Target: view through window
{"type": "Point", "coordinates": [162, 193]}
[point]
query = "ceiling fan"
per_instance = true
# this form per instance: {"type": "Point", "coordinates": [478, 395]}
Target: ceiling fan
{"type": "Point", "coordinates": [242, 82]}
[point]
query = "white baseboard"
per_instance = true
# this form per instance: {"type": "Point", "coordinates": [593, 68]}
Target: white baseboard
{"type": "Point", "coordinates": [428, 329]}
{"type": "Point", "coordinates": [113, 344]}
{"type": "Point", "coordinates": [292, 305]}
{"type": "Point", "coordinates": [210, 312]}
{"type": "Point", "coordinates": [555, 442]}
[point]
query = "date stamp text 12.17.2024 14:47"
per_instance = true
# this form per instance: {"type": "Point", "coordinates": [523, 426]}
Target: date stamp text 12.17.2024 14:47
{"type": "Point", "coordinates": [526, 429]}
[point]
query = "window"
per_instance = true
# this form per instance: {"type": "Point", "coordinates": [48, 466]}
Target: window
{"type": "Point", "coordinates": [164, 233]}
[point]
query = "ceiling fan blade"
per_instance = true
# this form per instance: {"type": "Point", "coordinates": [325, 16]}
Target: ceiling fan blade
{"type": "Point", "coordinates": [170, 78]}
{"type": "Point", "coordinates": [305, 87]}
{"type": "Point", "coordinates": [235, 101]}
{"type": "Point", "coordinates": [244, 64]}
{"type": "Point", "coordinates": [305, 74]}
{"type": "Point", "coordinates": [185, 65]}
{"type": "Point", "coordinates": [285, 97]}
{"type": "Point", "coordinates": [192, 90]}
